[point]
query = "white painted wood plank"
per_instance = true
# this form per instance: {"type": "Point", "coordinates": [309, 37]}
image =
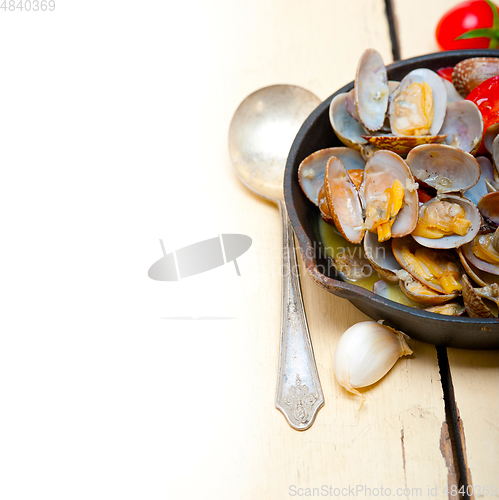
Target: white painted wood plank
{"type": "Point", "coordinates": [475, 375]}
{"type": "Point", "coordinates": [394, 441]}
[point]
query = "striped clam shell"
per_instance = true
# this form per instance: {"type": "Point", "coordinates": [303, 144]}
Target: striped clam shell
{"type": "Point", "coordinates": [470, 73]}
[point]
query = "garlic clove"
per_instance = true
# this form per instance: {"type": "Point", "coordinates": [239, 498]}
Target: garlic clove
{"type": "Point", "coordinates": [365, 353]}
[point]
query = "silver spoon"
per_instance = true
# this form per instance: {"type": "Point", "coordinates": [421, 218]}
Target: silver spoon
{"type": "Point", "coordinates": [260, 136]}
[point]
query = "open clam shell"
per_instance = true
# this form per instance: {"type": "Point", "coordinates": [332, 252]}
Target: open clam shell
{"type": "Point", "coordinates": [489, 207]}
{"type": "Point", "coordinates": [380, 172]}
{"type": "Point", "coordinates": [422, 294]}
{"type": "Point", "coordinates": [448, 309]}
{"type": "Point", "coordinates": [479, 276]}
{"type": "Point", "coordinates": [371, 90]}
{"type": "Point", "coordinates": [452, 94]}
{"type": "Point", "coordinates": [495, 153]}
{"type": "Point", "coordinates": [343, 200]}
{"type": "Point", "coordinates": [402, 144]}
{"type": "Point", "coordinates": [453, 240]}
{"type": "Point", "coordinates": [470, 73]}
{"type": "Point", "coordinates": [463, 126]}
{"type": "Point", "coordinates": [482, 239]}
{"type": "Point", "coordinates": [491, 143]}
{"type": "Point", "coordinates": [398, 100]}
{"type": "Point", "coordinates": [381, 257]}
{"type": "Point", "coordinates": [480, 188]}
{"type": "Point", "coordinates": [312, 169]}
{"type": "Point", "coordinates": [324, 207]}
{"type": "Point", "coordinates": [489, 136]}
{"type": "Point", "coordinates": [473, 299]}
{"type": "Point", "coordinates": [409, 252]}
{"type": "Point", "coordinates": [348, 130]}
{"type": "Point", "coordinates": [350, 103]}
{"type": "Point", "coordinates": [443, 167]}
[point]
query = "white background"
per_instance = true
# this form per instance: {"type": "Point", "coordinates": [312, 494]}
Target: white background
{"type": "Point", "coordinates": [104, 109]}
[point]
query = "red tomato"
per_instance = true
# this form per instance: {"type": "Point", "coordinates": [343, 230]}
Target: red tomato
{"type": "Point", "coordinates": [464, 17]}
{"type": "Point", "coordinates": [446, 73]}
{"type": "Point", "coordinates": [486, 97]}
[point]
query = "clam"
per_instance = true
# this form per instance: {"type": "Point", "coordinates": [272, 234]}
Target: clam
{"type": "Point", "coordinates": [491, 185]}
{"type": "Point", "coordinates": [495, 152]}
{"type": "Point", "coordinates": [387, 192]}
{"type": "Point", "coordinates": [449, 309]}
{"type": "Point", "coordinates": [474, 298]}
{"type": "Point", "coordinates": [437, 269]}
{"type": "Point", "coordinates": [480, 188]}
{"type": "Point", "coordinates": [418, 105]}
{"type": "Point", "coordinates": [312, 169]}
{"type": "Point", "coordinates": [489, 136]}
{"type": "Point", "coordinates": [491, 143]}
{"type": "Point", "coordinates": [402, 144]}
{"type": "Point", "coordinates": [463, 125]}
{"type": "Point", "coordinates": [350, 103]}
{"type": "Point", "coordinates": [452, 94]}
{"type": "Point", "coordinates": [348, 130]}
{"type": "Point", "coordinates": [371, 90]}
{"type": "Point", "coordinates": [444, 168]}
{"type": "Point", "coordinates": [389, 196]}
{"type": "Point", "coordinates": [470, 73]}
{"type": "Point", "coordinates": [483, 252]}
{"type": "Point", "coordinates": [447, 222]}
{"type": "Point", "coordinates": [324, 207]}
{"type": "Point", "coordinates": [343, 201]}
{"type": "Point", "coordinates": [421, 293]}
{"type": "Point", "coordinates": [489, 207]}
{"type": "Point", "coordinates": [479, 276]}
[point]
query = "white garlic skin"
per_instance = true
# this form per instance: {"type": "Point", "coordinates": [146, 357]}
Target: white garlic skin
{"type": "Point", "coordinates": [365, 353]}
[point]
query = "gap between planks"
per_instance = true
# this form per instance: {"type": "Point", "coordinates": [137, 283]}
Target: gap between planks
{"type": "Point", "coordinates": [455, 454]}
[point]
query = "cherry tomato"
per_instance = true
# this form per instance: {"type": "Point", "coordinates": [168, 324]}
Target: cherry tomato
{"type": "Point", "coordinates": [465, 17]}
{"type": "Point", "coordinates": [446, 73]}
{"type": "Point", "coordinates": [486, 97]}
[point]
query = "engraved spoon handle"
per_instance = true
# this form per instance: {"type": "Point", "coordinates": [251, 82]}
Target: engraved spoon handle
{"type": "Point", "coordinates": [299, 394]}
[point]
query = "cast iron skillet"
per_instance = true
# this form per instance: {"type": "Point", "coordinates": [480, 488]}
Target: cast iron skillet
{"type": "Point", "coordinates": [316, 133]}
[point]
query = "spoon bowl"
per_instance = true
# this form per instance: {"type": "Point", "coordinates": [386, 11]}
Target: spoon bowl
{"type": "Point", "coordinates": [261, 133]}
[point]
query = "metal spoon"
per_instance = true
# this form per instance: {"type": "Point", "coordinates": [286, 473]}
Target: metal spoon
{"type": "Point", "coordinates": [260, 136]}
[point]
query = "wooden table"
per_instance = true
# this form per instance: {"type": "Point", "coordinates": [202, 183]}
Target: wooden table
{"type": "Point", "coordinates": [115, 122]}
{"type": "Point", "coordinates": [400, 439]}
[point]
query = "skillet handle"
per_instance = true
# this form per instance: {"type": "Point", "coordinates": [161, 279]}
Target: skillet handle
{"type": "Point", "coordinates": [299, 394]}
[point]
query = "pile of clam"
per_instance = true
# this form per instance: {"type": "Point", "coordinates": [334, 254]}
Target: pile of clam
{"type": "Point", "coordinates": [408, 187]}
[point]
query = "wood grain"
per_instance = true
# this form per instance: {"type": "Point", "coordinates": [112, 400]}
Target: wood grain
{"type": "Point", "coordinates": [250, 451]}
{"type": "Point", "coordinates": [416, 25]}
{"type": "Point", "coordinates": [475, 375]}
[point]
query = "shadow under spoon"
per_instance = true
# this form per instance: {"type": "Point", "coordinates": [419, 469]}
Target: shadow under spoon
{"type": "Point", "coordinates": [260, 136]}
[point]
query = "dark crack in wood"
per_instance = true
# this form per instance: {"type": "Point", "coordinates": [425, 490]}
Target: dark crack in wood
{"type": "Point", "coordinates": [403, 455]}
{"type": "Point", "coordinates": [392, 27]}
